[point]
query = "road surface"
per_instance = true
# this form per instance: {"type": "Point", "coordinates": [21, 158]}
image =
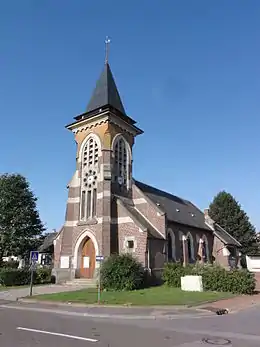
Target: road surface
{"type": "Point", "coordinates": [42, 326]}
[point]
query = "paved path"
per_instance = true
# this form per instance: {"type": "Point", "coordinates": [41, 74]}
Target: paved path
{"type": "Point", "coordinates": [14, 294]}
{"type": "Point", "coordinates": [21, 327]}
{"type": "Point", "coordinates": [237, 303]}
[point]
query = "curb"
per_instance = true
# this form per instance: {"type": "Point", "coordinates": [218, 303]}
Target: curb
{"type": "Point", "coordinates": [127, 306]}
{"type": "Point", "coordinates": [200, 311]}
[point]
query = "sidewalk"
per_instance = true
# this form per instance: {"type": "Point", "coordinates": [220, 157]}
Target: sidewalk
{"type": "Point", "coordinates": [17, 293]}
{"type": "Point", "coordinates": [235, 304]}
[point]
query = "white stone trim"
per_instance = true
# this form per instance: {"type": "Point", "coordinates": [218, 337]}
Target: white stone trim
{"type": "Point", "coordinates": [139, 201]}
{"type": "Point", "coordinates": [100, 220]}
{"type": "Point", "coordinates": [122, 220]}
{"type": "Point", "coordinates": [73, 200]}
{"type": "Point", "coordinates": [75, 181]}
{"type": "Point", "coordinates": [209, 225]}
{"type": "Point", "coordinates": [71, 223]}
{"type": "Point", "coordinates": [119, 220]}
{"type": "Point", "coordinates": [81, 238]}
{"type": "Point", "coordinates": [105, 193]}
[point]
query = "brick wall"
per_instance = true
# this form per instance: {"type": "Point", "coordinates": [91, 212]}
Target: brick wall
{"type": "Point", "coordinates": [220, 259]}
{"type": "Point", "coordinates": [131, 230]}
{"type": "Point", "coordinates": [149, 211]}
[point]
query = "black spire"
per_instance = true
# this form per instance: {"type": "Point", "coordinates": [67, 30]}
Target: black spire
{"type": "Point", "coordinates": [106, 93]}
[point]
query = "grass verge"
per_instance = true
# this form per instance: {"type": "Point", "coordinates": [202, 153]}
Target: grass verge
{"type": "Point", "coordinates": [146, 297]}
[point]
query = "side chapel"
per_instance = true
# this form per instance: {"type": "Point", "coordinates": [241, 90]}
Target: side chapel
{"type": "Point", "coordinates": [108, 211]}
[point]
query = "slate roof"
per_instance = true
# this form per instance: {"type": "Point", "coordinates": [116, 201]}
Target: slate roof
{"type": "Point", "coordinates": [177, 209]}
{"type": "Point", "coordinates": [137, 217]}
{"type": "Point", "coordinates": [223, 235]}
{"type": "Point", "coordinates": [106, 93]}
{"type": "Point", "coordinates": [182, 211]}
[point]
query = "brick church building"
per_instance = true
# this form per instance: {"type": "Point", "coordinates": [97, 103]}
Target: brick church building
{"type": "Point", "coordinates": [108, 211]}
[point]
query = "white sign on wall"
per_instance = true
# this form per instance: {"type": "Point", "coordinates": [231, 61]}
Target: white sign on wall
{"type": "Point", "coordinates": [86, 262]}
{"type": "Point", "coordinates": [64, 262]}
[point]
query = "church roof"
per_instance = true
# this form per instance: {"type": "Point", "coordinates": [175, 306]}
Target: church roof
{"type": "Point", "coordinates": [106, 93]}
{"type": "Point", "coordinates": [223, 235]}
{"type": "Point", "coordinates": [182, 211]}
{"type": "Point", "coordinates": [177, 209]}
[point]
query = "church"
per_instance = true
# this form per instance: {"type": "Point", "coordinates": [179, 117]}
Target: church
{"type": "Point", "coordinates": [108, 211]}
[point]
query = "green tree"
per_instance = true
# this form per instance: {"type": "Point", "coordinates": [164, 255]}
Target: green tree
{"type": "Point", "coordinates": [227, 212]}
{"type": "Point", "coordinates": [20, 225]}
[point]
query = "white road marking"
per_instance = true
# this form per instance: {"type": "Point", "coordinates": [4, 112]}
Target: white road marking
{"type": "Point", "coordinates": [57, 334]}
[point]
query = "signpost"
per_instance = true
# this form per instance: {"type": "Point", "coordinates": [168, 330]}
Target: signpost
{"type": "Point", "coordinates": [34, 256]}
{"type": "Point", "coordinates": [99, 259]}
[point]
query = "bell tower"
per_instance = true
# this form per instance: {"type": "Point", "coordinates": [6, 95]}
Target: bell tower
{"type": "Point", "coordinates": [104, 135]}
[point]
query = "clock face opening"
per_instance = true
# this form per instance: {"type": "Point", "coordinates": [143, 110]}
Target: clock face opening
{"type": "Point", "coordinates": [120, 180]}
{"type": "Point", "coordinates": [90, 179]}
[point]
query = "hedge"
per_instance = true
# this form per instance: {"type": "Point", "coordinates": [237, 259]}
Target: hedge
{"type": "Point", "coordinates": [214, 278]}
{"type": "Point", "coordinates": [121, 272]}
{"type": "Point", "coordinates": [19, 277]}
{"type": "Point", "coordinates": [10, 264]}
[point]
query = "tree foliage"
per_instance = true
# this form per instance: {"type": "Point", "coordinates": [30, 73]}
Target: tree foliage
{"type": "Point", "coordinates": [20, 224]}
{"type": "Point", "coordinates": [227, 212]}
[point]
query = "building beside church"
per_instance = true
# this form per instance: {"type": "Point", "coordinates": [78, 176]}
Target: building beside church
{"type": "Point", "coordinates": [108, 211]}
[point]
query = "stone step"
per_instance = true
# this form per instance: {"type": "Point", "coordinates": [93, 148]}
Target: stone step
{"type": "Point", "coordinates": [88, 282]}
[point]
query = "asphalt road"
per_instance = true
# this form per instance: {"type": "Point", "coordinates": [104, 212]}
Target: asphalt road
{"type": "Point", "coordinates": [23, 325]}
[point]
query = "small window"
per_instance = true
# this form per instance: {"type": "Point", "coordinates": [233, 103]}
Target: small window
{"type": "Point", "coordinates": [130, 244]}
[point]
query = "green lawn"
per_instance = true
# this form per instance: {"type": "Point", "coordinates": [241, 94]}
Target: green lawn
{"type": "Point", "coordinates": [150, 296]}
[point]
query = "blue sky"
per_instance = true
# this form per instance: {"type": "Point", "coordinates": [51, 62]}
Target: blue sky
{"type": "Point", "coordinates": [188, 73]}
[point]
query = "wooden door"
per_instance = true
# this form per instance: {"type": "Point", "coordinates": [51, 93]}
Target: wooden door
{"type": "Point", "coordinates": [88, 259]}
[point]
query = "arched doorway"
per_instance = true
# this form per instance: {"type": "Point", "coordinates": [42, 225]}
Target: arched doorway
{"type": "Point", "coordinates": [88, 259]}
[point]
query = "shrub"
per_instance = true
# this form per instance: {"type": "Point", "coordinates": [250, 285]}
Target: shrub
{"type": "Point", "coordinates": [14, 277]}
{"type": "Point", "coordinates": [20, 277]}
{"type": "Point", "coordinates": [121, 272]}
{"type": "Point", "coordinates": [173, 272]}
{"type": "Point", "coordinates": [42, 276]}
{"type": "Point", "coordinates": [214, 278]}
{"type": "Point", "coordinates": [10, 264]}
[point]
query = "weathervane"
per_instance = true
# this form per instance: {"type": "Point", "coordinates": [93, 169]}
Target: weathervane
{"type": "Point", "coordinates": [107, 42]}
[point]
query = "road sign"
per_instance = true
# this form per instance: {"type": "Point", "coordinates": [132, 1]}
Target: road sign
{"type": "Point", "coordinates": [99, 257]}
{"type": "Point", "coordinates": [34, 256]}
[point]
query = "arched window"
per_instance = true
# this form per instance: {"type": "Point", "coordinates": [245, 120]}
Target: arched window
{"type": "Point", "coordinates": [121, 162]}
{"type": "Point", "coordinates": [171, 245]}
{"type": "Point", "coordinates": [89, 177]}
{"type": "Point", "coordinates": [190, 247]}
